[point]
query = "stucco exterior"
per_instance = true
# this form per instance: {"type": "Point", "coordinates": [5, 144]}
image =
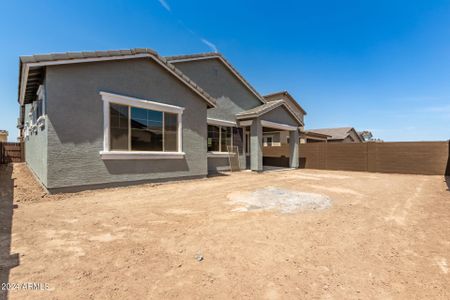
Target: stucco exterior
{"type": "Point", "coordinates": [36, 148]}
{"type": "Point", "coordinates": [280, 115]}
{"type": "Point", "coordinates": [71, 151]}
{"type": "Point", "coordinates": [232, 96]}
{"type": "Point", "coordinates": [75, 123]}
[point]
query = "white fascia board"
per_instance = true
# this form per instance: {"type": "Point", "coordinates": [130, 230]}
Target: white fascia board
{"type": "Point", "coordinates": [27, 66]}
{"type": "Point", "coordinates": [25, 71]}
{"type": "Point", "coordinates": [279, 126]}
{"type": "Point", "coordinates": [142, 103]}
{"type": "Point", "coordinates": [245, 123]}
{"type": "Point", "coordinates": [219, 122]}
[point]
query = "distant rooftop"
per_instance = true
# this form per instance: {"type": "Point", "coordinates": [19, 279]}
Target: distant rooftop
{"type": "Point", "coordinates": [339, 133]}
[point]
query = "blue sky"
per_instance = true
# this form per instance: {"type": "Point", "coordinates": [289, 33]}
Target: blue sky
{"type": "Point", "coordinates": [377, 65]}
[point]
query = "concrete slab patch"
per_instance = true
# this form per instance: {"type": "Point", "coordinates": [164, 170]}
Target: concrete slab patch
{"type": "Point", "coordinates": [283, 200]}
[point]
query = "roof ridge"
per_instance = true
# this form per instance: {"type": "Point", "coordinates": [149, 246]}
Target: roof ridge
{"type": "Point", "coordinates": [69, 56]}
{"type": "Point", "coordinates": [173, 59]}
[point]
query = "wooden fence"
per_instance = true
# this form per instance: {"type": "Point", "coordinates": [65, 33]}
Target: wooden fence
{"type": "Point", "coordinates": [11, 152]}
{"type": "Point", "coordinates": [431, 158]}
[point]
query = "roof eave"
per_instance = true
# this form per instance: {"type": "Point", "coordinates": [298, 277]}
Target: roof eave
{"type": "Point", "coordinates": [259, 114]}
{"type": "Point", "coordinates": [136, 53]}
{"type": "Point", "coordinates": [215, 55]}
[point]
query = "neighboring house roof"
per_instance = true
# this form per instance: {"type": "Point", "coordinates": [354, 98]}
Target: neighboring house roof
{"type": "Point", "coordinates": [336, 133]}
{"type": "Point", "coordinates": [291, 100]}
{"type": "Point", "coordinates": [265, 108]}
{"type": "Point", "coordinates": [31, 68]}
{"type": "Point", "coordinates": [316, 134]}
{"type": "Point", "coordinates": [215, 55]}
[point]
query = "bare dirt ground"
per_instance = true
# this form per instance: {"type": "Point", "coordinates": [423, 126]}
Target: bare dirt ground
{"type": "Point", "coordinates": [385, 236]}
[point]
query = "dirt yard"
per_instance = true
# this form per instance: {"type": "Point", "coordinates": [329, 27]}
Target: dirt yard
{"type": "Point", "coordinates": [383, 237]}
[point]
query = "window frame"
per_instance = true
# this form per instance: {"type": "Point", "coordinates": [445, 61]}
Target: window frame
{"type": "Point", "coordinates": [107, 153]}
{"type": "Point", "coordinates": [266, 141]}
{"type": "Point", "coordinates": [219, 153]}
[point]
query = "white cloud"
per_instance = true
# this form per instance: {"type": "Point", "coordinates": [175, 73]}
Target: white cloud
{"type": "Point", "coordinates": [165, 5]}
{"type": "Point", "coordinates": [209, 44]}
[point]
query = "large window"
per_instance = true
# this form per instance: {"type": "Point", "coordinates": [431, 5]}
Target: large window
{"type": "Point", "coordinates": [219, 138]}
{"type": "Point", "coordinates": [139, 129]}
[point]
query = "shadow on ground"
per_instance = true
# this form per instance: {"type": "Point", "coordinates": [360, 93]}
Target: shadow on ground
{"type": "Point", "coordinates": [7, 260]}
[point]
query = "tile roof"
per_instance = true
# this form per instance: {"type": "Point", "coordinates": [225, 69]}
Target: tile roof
{"type": "Point", "coordinates": [277, 95]}
{"type": "Point", "coordinates": [339, 133]}
{"type": "Point", "coordinates": [259, 110]}
{"type": "Point", "coordinates": [104, 55]}
{"type": "Point", "coordinates": [264, 108]}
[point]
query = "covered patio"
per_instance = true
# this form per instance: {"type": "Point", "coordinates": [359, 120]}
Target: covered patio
{"type": "Point", "coordinates": [275, 116]}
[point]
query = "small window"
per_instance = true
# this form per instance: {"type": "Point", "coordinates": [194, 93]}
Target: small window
{"type": "Point", "coordinates": [268, 141]}
{"type": "Point", "coordinates": [220, 138]}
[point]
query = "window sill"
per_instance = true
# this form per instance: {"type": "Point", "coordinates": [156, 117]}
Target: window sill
{"type": "Point", "coordinates": [126, 155]}
{"type": "Point", "coordinates": [219, 154]}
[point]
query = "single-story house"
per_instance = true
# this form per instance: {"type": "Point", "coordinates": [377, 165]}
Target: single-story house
{"type": "Point", "coordinates": [339, 135]}
{"type": "Point", "coordinates": [107, 118]}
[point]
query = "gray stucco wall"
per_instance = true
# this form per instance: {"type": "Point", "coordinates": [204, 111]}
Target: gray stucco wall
{"type": "Point", "coordinates": [36, 149]}
{"type": "Point", "coordinates": [231, 94]}
{"type": "Point", "coordinates": [217, 164]}
{"type": "Point", "coordinates": [75, 127]}
{"type": "Point", "coordinates": [291, 104]}
{"type": "Point", "coordinates": [280, 115]}
{"type": "Point", "coordinates": [215, 78]}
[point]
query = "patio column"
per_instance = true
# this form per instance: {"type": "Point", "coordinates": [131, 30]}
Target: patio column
{"type": "Point", "coordinates": [293, 145]}
{"type": "Point", "coordinates": [256, 154]}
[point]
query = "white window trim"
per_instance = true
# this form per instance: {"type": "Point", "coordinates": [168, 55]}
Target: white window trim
{"type": "Point", "coordinates": [245, 123]}
{"type": "Point", "coordinates": [107, 153]}
{"type": "Point", "coordinates": [265, 137]}
{"type": "Point", "coordinates": [220, 153]}
{"type": "Point", "coordinates": [124, 155]}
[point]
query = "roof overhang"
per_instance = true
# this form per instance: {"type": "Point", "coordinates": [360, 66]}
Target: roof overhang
{"type": "Point", "coordinates": [288, 96]}
{"type": "Point", "coordinates": [278, 126]}
{"type": "Point", "coordinates": [270, 106]}
{"type": "Point", "coordinates": [316, 135]}
{"type": "Point", "coordinates": [32, 72]}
